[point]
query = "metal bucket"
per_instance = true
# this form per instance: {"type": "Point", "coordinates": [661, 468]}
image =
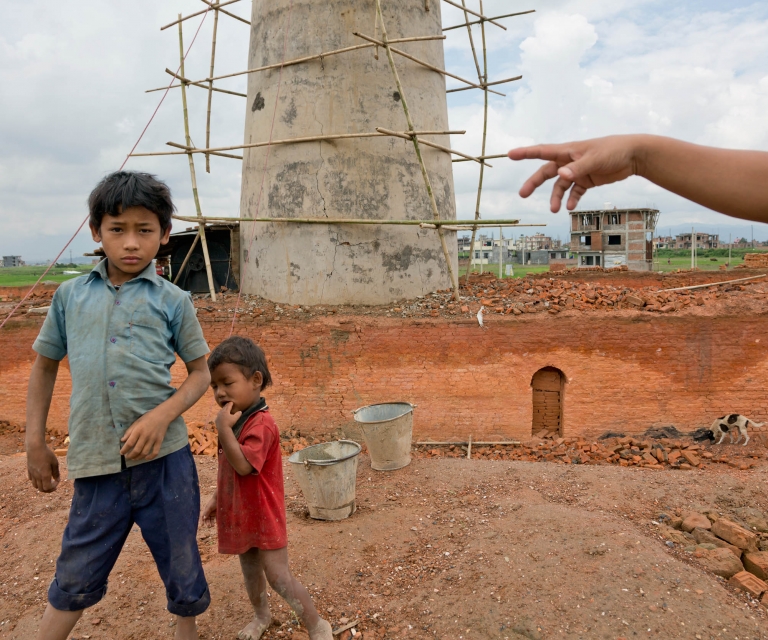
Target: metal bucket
{"type": "Point", "coordinates": [327, 474]}
{"type": "Point", "coordinates": [387, 429]}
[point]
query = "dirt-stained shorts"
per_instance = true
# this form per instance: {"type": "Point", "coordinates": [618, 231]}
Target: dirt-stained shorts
{"type": "Point", "coordinates": [162, 497]}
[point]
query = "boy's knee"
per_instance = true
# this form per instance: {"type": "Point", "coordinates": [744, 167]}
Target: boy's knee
{"type": "Point", "coordinates": [279, 578]}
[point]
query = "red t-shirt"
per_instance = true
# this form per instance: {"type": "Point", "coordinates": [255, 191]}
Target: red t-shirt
{"type": "Point", "coordinates": [250, 510]}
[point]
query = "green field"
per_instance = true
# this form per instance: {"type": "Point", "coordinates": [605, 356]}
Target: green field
{"type": "Point", "coordinates": [25, 276]}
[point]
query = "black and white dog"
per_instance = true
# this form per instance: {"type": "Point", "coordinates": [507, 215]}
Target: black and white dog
{"type": "Point", "coordinates": [728, 425]}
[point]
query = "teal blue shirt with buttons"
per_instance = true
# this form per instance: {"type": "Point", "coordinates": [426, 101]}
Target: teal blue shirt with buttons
{"type": "Point", "coordinates": [121, 344]}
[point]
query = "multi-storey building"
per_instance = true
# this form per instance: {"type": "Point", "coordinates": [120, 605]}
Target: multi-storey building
{"type": "Point", "coordinates": [614, 237]}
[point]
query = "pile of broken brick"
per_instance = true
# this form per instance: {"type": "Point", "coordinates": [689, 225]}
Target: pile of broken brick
{"type": "Point", "coordinates": [624, 451]}
{"type": "Point", "coordinates": [532, 295]}
{"type": "Point", "coordinates": [726, 548]}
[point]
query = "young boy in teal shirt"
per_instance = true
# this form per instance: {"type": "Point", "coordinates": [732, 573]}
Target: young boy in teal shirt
{"type": "Point", "coordinates": [121, 327]}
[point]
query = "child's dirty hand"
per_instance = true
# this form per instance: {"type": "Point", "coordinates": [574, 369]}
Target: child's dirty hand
{"type": "Point", "coordinates": [144, 437]}
{"type": "Point", "coordinates": [43, 468]}
{"type": "Point", "coordinates": [209, 511]}
{"type": "Point", "coordinates": [225, 419]}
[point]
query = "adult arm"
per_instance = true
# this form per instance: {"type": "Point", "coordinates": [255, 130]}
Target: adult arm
{"type": "Point", "coordinates": [732, 182]}
{"type": "Point", "coordinates": [144, 437]}
{"type": "Point", "coordinates": [42, 464]}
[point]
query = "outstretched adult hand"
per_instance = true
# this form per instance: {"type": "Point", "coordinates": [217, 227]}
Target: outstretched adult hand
{"type": "Point", "coordinates": [578, 166]}
{"type": "Point", "coordinates": [730, 181]}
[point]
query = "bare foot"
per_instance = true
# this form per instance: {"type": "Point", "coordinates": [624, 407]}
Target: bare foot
{"type": "Point", "coordinates": [255, 629]}
{"type": "Point", "coordinates": [321, 631]}
{"type": "Point", "coordinates": [186, 628]}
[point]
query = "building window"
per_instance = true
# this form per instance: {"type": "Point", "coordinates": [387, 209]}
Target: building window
{"type": "Point", "coordinates": [586, 220]}
{"type": "Point", "coordinates": [477, 254]}
{"type": "Point", "coordinates": [587, 261]}
{"type": "Point", "coordinates": [597, 260]}
{"type": "Point", "coordinates": [614, 239]}
{"type": "Point", "coordinates": [485, 255]}
{"type": "Point", "coordinates": [552, 256]}
{"type": "Point", "coordinates": [614, 218]}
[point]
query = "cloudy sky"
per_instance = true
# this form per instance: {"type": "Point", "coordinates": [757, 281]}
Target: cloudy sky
{"type": "Point", "coordinates": [73, 101]}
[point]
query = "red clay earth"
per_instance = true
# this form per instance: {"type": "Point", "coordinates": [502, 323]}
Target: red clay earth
{"type": "Point", "coordinates": [445, 548]}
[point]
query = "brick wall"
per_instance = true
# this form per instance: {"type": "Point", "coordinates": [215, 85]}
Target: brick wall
{"type": "Point", "coordinates": [622, 374]}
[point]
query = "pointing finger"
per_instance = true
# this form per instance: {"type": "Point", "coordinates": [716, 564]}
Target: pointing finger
{"type": "Point", "coordinates": [544, 173]}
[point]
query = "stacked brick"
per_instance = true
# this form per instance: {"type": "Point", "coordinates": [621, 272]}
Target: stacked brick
{"type": "Point", "coordinates": [756, 260]}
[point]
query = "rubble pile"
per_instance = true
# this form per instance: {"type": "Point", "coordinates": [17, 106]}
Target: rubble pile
{"type": "Point", "coordinates": [735, 549]}
{"type": "Point", "coordinates": [624, 451]}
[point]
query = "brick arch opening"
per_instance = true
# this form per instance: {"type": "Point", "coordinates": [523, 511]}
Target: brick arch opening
{"type": "Point", "coordinates": [548, 386]}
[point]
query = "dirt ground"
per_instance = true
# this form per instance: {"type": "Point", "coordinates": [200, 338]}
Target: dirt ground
{"type": "Point", "coordinates": [445, 548]}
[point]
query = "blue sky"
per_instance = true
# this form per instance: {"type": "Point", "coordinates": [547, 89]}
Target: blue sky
{"type": "Point", "coordinates": [73, 101]}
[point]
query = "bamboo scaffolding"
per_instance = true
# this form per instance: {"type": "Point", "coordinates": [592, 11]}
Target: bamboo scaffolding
{"type": "Point", "coordinates": [423, 63]}
{"type": "Point", "coordinates": [210, 92]}
{"type": "Point", "coordinates": [231, 15]}
{"type": "Point", "coordinates": [320, 138]}
{"type": "Point", "coordinates": [414, 139]}
{"type": "Point", "coordinates": [506, 15]}
{"type": "Point", "coordinates": [498, 155]}
{"type": "Point", "coordinates": [429, 144]}
{"type": "Point", "coordinates": [213, 153]}
{"type": "Point", "coordinates": [489, 84]}
{"type": "Point", "coordinates": [201, 223]}
{"type": "Point", "coordinates": [198, 13]}
{"type": "Point", "coordinates": [483, 19]}
{"type": "Point", "coordinates": [483, 80]}
{"type": "Point", "coordinates": [317, 56]}
{"type": "Point", "coordinates": [187, 257]}
{"type": "Point", "coordinates": [436, 223]}
{"type": "Point", "coordinates": [202, 85]}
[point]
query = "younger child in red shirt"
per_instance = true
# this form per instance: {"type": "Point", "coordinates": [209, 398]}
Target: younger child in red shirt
{"type": "Point", "coordinates": [249, 504]}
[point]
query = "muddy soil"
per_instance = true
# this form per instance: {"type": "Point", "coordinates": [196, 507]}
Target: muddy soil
{"type": "Point", "coordinates": [445, 548]}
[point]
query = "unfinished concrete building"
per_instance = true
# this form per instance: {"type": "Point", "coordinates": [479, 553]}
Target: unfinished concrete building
{"type": "Point", "coordinates": [614, 237]}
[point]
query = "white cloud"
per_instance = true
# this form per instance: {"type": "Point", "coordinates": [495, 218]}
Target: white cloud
{"type": "Point", "coordinates": [73, 101]}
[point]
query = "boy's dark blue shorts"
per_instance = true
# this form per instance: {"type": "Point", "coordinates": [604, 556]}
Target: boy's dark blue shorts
{"type": "Point", "coordinates": [161, 496]}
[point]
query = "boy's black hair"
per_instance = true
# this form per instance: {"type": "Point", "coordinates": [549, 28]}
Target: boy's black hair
{"type": "Point", "coordinates": [123, 189]}
{"type": "Point", "coordinates": [244, 353]}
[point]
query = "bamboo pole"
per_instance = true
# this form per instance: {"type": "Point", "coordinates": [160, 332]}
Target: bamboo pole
{"type": "Point", "coordinates": [193, 177]}
{"type": "Point", "coordinates": [414, 139]}
{"type": "Point", "coordinates": [213, 153]}
{"type": "Point", "coordinates": [484, 79]}
{"type": "Point", "coordinates": [321, 138]}
{"type": "Point", "coordinates": [187, 257]}
{"type": "Point", "coordinates": [483, 19]}
{"type": "Point", "coordinates": [711, 284]}
{"type": "Point", "coordinates": [231, 15]}
{"type": "Point", "coordinates": [506, 15]}
{"type": "Point", "coordinates": [210, 92]}
{"type": "Point", "coordinates": [468, 227]}
{"type": "Point", "coordinates": [498, 155]}
{"type": "Point", "coordinates": [469, 447]}
{"type": "Point", "coordinates": [423, 63]}
{"type": "Point", "coordinates": [196, 84]}
{"type": "Point", "coordinates": [429, 144]}
{"type": "Point", "coordinates": [489, 84]}
{"type": "Point", "coordinates": [198, 13]}
{"type": "Point", "coordinates": [317, 56]}
{"type": "Point", "coordinates": [436, 223]}
{"type": "Point", "coordinates": [471, 40]}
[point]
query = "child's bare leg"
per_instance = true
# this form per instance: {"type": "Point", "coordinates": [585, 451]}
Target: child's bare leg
{"type": "Point", "coordinates": [275, 563]}
{"type": "Point", "coordinates": [57, 624]}
{"type": "Point", "coordinates": [186, 628]}
{"type": "Point", "coordinates": [256, 587]}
